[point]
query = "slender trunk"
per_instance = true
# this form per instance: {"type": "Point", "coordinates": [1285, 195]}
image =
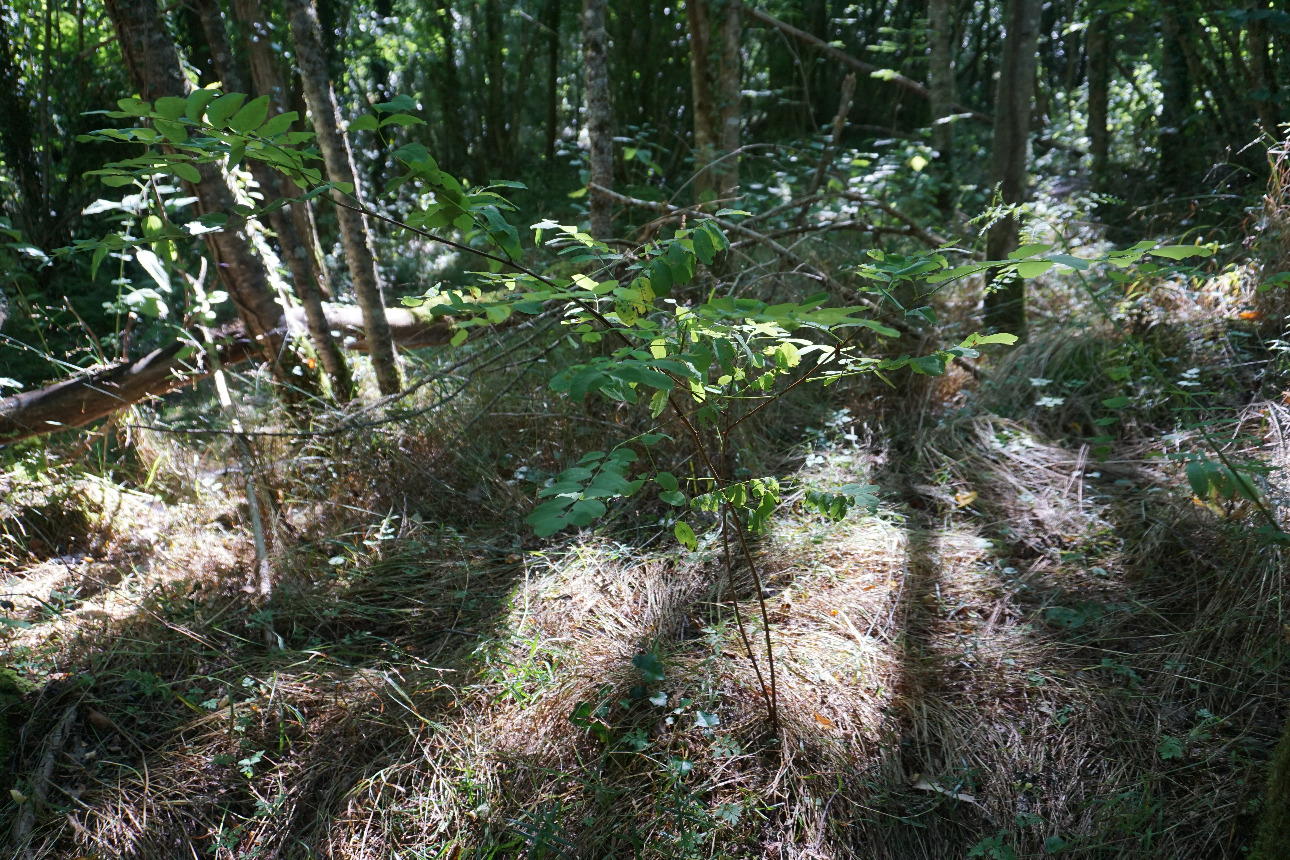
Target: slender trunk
{"type": "Point", "coordinates": [1005, 304]}
{"type": "Point", "coordinates": [1099, 87]}
{"type": "Point", "coordinates": [551, 18]}
{"type": "Point", "coordinates": [1176, 104]}
{"type": "Point", "coordinates": [1262, 70]}
{"type": "Point", "coordinates": [153, 62]}
{"type": "Point", "coordinates": [339, 161]}
{"type": "Point", "coordinates": [496, 93]}
{"type": "Point", "coordinates": [729, 90]}
{"type": "Point", "coordinates": [18, 142]}
{"type": "Point", "coordinates": [292, 224]}
{"type": "Point", "coordinates": [705, 144]}
{"type": "Point", "coordinates": [940, 82]}
{"type": "Point", "coordinates": [595, 49]}
{"type": "Point", "coordinates": [455, 152]}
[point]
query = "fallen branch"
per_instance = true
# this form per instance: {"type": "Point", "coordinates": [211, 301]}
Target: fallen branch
{"type": "Point", "coordinates": [849, 61]}
{"type": "Point", "coordinates": [78, 401]}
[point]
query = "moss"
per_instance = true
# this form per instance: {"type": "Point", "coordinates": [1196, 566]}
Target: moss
{"type": "Point", "coordinates": [1274, 830]}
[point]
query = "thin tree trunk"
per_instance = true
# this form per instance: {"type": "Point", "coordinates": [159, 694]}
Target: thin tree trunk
{"type": "Point", "coordinates": [1005, 306]}
{"type": "Point", "coordinates": [705, 135]}
{"type": "Point", "coordinates": [1176, 104]}
{"type": "Point", "coordinates": [449, 86]}
{"type": "Point", "coordinates": [339, 160]}
{"type": "Point", "coordinates": [153, 62]}
{"type": "Point", "coordinates": [1099, 88]}
{"type": "Point", "coordinates": [307, 272]}
{"type": "Point", "coordinates": [595, 50]}
{"type": "Point", "coordinates": [729, 91]}
{"type": "Point", "coordinates": [18, 141]}
{"type": "Point", "coordinates": [940, 82]}
{"type": "Point", "coordinates": [1262, 70]}
{"type": "Point", "coordinates": [551, 18]}
{"type": "Point", "coordinates": [496, 92]}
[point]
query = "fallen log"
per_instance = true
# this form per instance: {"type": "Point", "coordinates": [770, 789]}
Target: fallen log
{"type": "Point", "coordinates": [78, 401]}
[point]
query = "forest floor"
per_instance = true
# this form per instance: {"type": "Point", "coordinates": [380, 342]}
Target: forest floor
{"type": "Point", "coordinates": [1036, 646]}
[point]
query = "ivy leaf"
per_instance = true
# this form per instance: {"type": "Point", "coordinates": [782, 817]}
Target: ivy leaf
{"type": "Point", "coordinates": [650, 666]}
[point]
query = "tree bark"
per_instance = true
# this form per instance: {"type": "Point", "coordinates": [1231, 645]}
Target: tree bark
{"type": "Point", "coordinates": [153, 62]}
{"type": "Point", "coordinates": [705, 135]}
{"type": "Point", "coordinates": [729, 92]}
{"type": "Point", "coordinates": [1262, 70]}
{"type": "Point", "coordinates": [1005, 306]}
{"type": "Point", "coordinates": [83, 399]}
{"type": "Point", "coordinates": [339, 160]}
{"type": "Point", "coordinates": [18, 143]}
{"type": "Point", "coordinates": [595, 49]}
{"type": "Point", "coordinates": [292, 224]}
{"type": "Point", "coordinates": [1099, 88]}
{"type": "Point", "coordinates": [1176, 103]}
{"type": "Point", "coordinates": [940, 83]}
{"type": "Point", "coordinates": [551, 20]}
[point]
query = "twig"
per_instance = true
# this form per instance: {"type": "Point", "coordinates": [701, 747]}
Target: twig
{"type": "Point", "coordinates": [831, 149]}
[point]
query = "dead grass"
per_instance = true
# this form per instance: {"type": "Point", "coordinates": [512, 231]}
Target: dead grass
{"type": "Point", "coordinates": [1031, 645]}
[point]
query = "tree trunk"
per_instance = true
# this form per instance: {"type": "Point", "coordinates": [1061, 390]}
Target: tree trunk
{"type": "Point", "coordinates": [292, 224]}
{"type": "Point", "coordinates": [705, 137]}
{"type": "Point", "coordinates": [339, 160]}
{"type": "Point", "coordinates": [496, 91]}
{"type": "Point", "coordinates": [940, 82]}
{"type": "Point", "coordinates": [83, 399]}
{"type": "Point", "coordinates": [449, 85]}
{"type": "Point", "coordinates": [153, 62]}
{"type": "Point", "coordinates": [729, 91]}
{"type": "Point", "coordinates": [551, 19]}
{"type": "Point", "coordinates": [1176, 104]}
{"type": "Point", "coordinates": [18, 142]}
{"type": "Point", "coordinates": [1262, 70]}
{"type": "Point", "coordinates": [1099, 87]}
{"type": "Point", "coordinates": [1005, 306]}
{"type": "Point", "coordinates": [595, 49]}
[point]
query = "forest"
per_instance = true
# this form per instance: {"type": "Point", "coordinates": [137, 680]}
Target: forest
{"type": "Point", "coordinates": [786, 429]}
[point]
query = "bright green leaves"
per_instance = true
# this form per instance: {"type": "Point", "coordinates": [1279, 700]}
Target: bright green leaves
{"type": "Point", "coordinates": [754, 500]}
{"type": "Point", "coordinates": [576, 497]}
{"type": "Point", "coordinates": [836, 505]}
{"type": "Point", "coordinates": [1181, 252]}
{"type": "Point", "coordinates": [202, 128]}
{"type": "Point", "coordinates": [618, 378]}
{"type": "Point", "coordinates": [686, 536]}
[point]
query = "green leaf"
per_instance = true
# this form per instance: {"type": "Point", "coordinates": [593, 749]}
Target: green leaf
{"type": "Point", "coordinates": [251, 116]}
{"type": "Point", "coordinates": [459, 337]}
{"type": "Point", "coordinates": [184, 170]}
{"type": "Point", "coordinates": [1029, 251]}
{"type": "Point", "coordinates": [658, 403]}
{"type": "Point", "coordinates": [1069, 261]}
{"type": "Point", "coordinates": [134, 107]}
{"type": "Point", "coordinates": [686, 536]}
{"type": "Point", "coordinates": [279, 124]}
{"type": "Point", "coordinates": [667, 480]}
{"type": "Point", "coordinates": [1115, 402]}
{"type": "Point", "coordinates": [673, 497]}
{"type": "Point", "coordinates": [1181, 252]}
{"type": "Point", "coordinates": [170, 107]}
{"type": "Point", "coordinates": [1198, 477]}
{"type": "Point", "coordinates": [402, 119]}
{"type": "Point", "coordinates": [218, 112]}
{"type": "Point", "coordinates": [175, 132]}
{"type": "Point", "coordinates": [1033, 268]}
{"type": "Point", "coordinates": [398, 103]}
{"type": "Point", "coordinates": [366, 122]}
{"type": "Point", "coordinates": [650, 667]}
{"type": "Point", "coordinates": [703, 247]}
{"type": "Point", "coordinates": [195, 104]}
{"type": "Point", "coordinates": [152, 264]}
{"type": "Point", "coordinates": [660, 277]}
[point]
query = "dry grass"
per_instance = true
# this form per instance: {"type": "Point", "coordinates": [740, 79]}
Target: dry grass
{"type": "Point", "coordinates": [1029, 645]}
